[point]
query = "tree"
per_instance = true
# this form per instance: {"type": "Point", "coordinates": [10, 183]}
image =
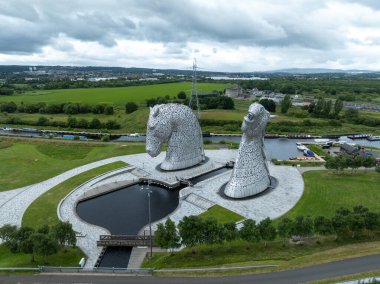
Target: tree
{"type": "Point", "coordinates": [105, 138]}
{"type": "Point", "coordinates": [332, 164]}
{"type": "Point", "coordinates": [285, 228]}
{"type": "Point", "coordinates": [44, 229]}
{"type": "Point", "coordinates": [267, 230]}
{"type": "Point", "coordinates": [351, 114]}
{"type": "Point", "coordinates": [303, 226]}
{"type": "Point", "coordinates": [371, 221]}
{"type": "Point", "coordinates": [64, 234]}
{"type": "Point", "coordinates": [45, 245]}
{"type": "Point", "coordinates": [8, 232]}
{"type": "Point", "coordinates": [71, 122]}
{"type": "Point", "coordinates": [131, 107]}
{"type": "Point", "coordinates": [338, 106]}
{"type": "Point", "coordinates": [108, 110]}
{"type": "Point", "coordinates": [212, 232]}
{"type": "Point", "coordinates": [71, 108]}
{"type": "Point", "coordinates": [249, 232]}
{"type": "Point", "coordinates": [28, 246]}
{"type": "Point", "coordinates": [340, 222]}
{"type": "Point", "coordinates": [230, 231]}
{"type": "Point", "coordinates": [268, 104]}
{"type": "Point", "coordinates": [8, 107]}
{"type": "Point", "coordinates": [368, 162]}
{"type": "Point", "coordinates": [95, 123]}
{"type": "Point", "coordinates": [327, 109]}
{"type": "Point", "coordinates": [286, 104]}
{"type": "Point", "coordinates": [82, 123]}
{"type": "Point", "coordinates": [97, 109]}
{"type": "Point", "coordinates": [226, 103]}
{"type": "Point", "coordinates": [166, 235]}
{"type": "Point", "coordinates": [42, 120]}
{"type": "Point", "coordinates": [181, 95]}
{"type": "Point", "coordinates": [319, 107]}
{"type": "Point", "coordinates": [322, 225]}
{"type": "Point", "coordinates": [190, 230]}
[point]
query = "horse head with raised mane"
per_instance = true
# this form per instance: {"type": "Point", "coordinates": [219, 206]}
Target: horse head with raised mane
{"type": "Point", "coordinates": [177, 126]}
{"type": "Point", "coordinates": [250, 175]}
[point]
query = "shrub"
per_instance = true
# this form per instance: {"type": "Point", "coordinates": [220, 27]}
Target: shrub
{"type": "Point", "coordinates": [131, 107]}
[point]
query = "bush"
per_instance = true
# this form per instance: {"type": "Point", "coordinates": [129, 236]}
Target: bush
{"type": "Point", "coordinates": [8, 107]}
{"type": "Point", "coordinates": [105, 138]}
{"type": "Point", "coordinates": [268, 104]}
{"type": "Point", "coordinates": [296, 112]}
{"type": "Point", "coordinates": [131, 107]}
{"type": "Point", "coordinates": [42, 121]}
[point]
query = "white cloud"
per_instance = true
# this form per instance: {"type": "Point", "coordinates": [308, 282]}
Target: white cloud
{"type": "Point", "coordinates": [223, 35]}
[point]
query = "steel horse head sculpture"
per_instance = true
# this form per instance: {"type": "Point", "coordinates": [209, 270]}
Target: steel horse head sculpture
{"type": "Point", "coordinates": [250, 175]}
{"type": "Point", "coordinates": [177, 126]}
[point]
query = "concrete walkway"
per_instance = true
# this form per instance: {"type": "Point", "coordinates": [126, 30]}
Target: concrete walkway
{"type": "Point", "coordinates": [272, 204]}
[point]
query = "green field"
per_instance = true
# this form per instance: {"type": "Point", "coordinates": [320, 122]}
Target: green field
{"type": "Point", "coordinates": [325, 192]}
{"type": "Point", "coordinates": [25, 162]}
{"type": "Point", "coordinates": [113, 96]}
{"type": "Point", "coordinates": [221, 214]}
{"type": "Point", "coordinates": [240, 253]}
{"type": "Point", "coordinates": [68, 257]}
{"type": "Point", "coordinates": [43, 211]}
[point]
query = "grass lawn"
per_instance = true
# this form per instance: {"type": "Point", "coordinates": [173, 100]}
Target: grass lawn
{"type": "Point", "coordinates": [241, 253]}
{"type": "Point", "coordinates": [221, 214]}
{"type": "Point", "coordinates": [27, 162]}
{"type": "Point", "coordinates": [113, 96]}
{"type": "Point", "coordinates": [69, 258]}
{"type": "Point", "coordinates": [326, 191]}
{"type": "Point", "coordinates": [44, 209]}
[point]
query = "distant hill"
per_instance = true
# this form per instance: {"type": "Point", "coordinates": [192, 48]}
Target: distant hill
{"type": "Point", "coordinates": [7, 69]}
{"type": "Point", "coordinates": [319, 71]}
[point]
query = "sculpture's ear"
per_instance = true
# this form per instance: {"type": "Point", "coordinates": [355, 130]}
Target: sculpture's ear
{"type": "Point", "coordinates": [156, 111]}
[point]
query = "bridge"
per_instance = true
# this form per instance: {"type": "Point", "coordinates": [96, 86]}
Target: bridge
{"type": "Point", "coordinates": [124, 241]}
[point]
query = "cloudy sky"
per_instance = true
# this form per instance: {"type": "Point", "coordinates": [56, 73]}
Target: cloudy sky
{"type": "Point", "coordinates": [224, 35]}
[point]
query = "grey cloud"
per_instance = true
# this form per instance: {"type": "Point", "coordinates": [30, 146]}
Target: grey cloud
{"type": "Point", "coordinates": [26, 26]}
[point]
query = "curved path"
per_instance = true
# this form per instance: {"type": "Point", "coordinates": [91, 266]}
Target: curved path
{"type": "Point", "coordinates": [272, 204]}
{"type": "Point", "coordinates": [301, 275]}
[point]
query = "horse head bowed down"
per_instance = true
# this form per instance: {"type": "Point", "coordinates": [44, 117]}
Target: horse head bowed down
{"type": "Point", "coordinates": [250, 175]}
{"type": "Point", "coordinates": [177, 125]}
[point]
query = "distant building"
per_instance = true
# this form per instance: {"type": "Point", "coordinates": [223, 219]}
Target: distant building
{"type": "Point", "coordinates": [234, 92]}
{"type": "Point", "coordinates": [348, 149]}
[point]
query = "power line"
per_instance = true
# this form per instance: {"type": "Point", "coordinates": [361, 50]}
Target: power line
{"type": "Point", "coordinates": [194, 92]}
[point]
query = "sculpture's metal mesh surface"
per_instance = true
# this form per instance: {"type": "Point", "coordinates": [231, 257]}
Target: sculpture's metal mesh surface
{"type": "Point", "coordinates": [250, 175]}
{"type": "Point", "coordinates": [177, 125]}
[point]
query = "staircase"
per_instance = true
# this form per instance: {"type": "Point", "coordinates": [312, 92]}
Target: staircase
{"type": "Point", "coordinates": [199, 201]}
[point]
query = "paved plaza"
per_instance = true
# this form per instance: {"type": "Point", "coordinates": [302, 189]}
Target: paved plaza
{"type": "Point", "coordinates": [193, 200]}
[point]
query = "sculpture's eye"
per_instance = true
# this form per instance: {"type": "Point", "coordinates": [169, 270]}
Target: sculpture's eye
{"type": "Point", "coordinates": [250, 115]}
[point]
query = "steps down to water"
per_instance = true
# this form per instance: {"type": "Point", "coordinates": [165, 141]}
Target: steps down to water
{"type": "Point", "coordinates": [139, 172]}
{"type": "Point", "coordinates": [199, 201]}
{"type": "Point", "coordinates": [100, 257]}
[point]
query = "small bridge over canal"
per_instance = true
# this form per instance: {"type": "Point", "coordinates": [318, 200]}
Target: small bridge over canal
{"type": "Point", "coordinates": [124, 241]}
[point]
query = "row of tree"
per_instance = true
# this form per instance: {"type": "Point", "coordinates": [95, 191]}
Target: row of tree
{"type": "Point", "coordinates": [43, 241]}
{"type": "Point", "coordinates": [326, 108]}
{"type": "Point", "coordinates": [72, 122]}
{"type": "Point", "coordinates": [4, 91]}
{"type": "Point", "coordinates": [67, 108]}
{"type": "Point", "coordinates": [195, 230]}
{"type": "Point", "coordinates": [217, 102]}
{"type": "Point", "coordinates": [342, 162]}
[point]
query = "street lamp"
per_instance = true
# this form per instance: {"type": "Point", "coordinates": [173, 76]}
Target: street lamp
{"type": "Point", "coordinates": [149, 215]}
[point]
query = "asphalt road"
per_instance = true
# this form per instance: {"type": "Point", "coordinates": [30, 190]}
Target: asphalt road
{"type": "Point", "coordinates": [313, 273]}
